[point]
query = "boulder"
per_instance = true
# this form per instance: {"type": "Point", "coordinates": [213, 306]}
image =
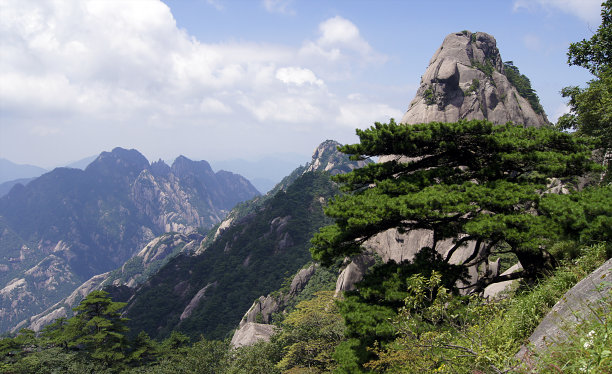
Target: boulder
{"type": "Point", "coordinates": [575, 306]}
{"type": "Point", "coordinates": [266, 306]}
{"type": "Point", "coordinates": [353, 273]}
{"type": "Point", "coordinates": [251, 333]}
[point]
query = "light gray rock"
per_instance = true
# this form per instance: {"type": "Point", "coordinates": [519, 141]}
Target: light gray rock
{"type": "Point", "coordinates": [353, 273]}
{"type": "Point", "coordinates": [263, 307]}
{"type": "Point", "coordinates": [453, 87]}
{"type": "Point", "coordinates": [573, 307]}
{"type": "Point", "coordinates": [327, 158]}
{"type": "Point", "coordinates": [193, 303]}
{"type": "Point", "coordinates": [500, 289]}
{"type": "Point", "coordinates": [251, 333]}
{"type": "Point", "coordinates": [266, 306]}
{"type": "Point", "coordinates": [301, 279]}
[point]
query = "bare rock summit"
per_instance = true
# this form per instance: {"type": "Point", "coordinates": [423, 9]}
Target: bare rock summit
{"type": "Point", "coordinates": [467, 79]}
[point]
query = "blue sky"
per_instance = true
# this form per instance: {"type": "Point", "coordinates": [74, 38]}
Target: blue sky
{"type": "Point", "coordinates": [222, 79]}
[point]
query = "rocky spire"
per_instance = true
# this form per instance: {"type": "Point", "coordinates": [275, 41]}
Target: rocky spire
{"type": "Point", "coordinates": [465, 79]}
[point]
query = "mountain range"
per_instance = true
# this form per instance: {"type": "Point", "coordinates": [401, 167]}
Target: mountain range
{"type": "Point", "coordinates": [204, 284]}
{"type": "Point", "coordinates": [69, 224]}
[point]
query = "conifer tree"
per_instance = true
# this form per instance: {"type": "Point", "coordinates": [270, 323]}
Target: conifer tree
{"type": "Point", "coordinates": [469, 181]}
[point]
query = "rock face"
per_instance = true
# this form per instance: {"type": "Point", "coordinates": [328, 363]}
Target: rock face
{"type": "Point", "coordinates": [353, 273]}
{"type": "Point", "coordinates": [70, 224]}
{"type": "Point", "coordinates": [465, 80]}
{"type": "Point", "coordinates": [573, 307]}
{"type": "Point", "coordinates": [327, 158]}
{"type": "Point", "coordinates": [264, 307]}
{"type": "Point", "coordinates": [251, 333]}
{"type": "Point", "coordinates": [130, 275]}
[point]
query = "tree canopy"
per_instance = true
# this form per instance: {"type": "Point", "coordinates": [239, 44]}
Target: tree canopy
{"type": "Point", "coordinates": [467, 181]}
{"type": "Point", "coordinates": [591, 107]}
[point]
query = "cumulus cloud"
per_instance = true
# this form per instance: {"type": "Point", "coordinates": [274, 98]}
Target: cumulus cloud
{"type": "Point", "coordinates": [339, 41]}
{"type": "Point", "coordinates": [85, 64]}
{"type": "Point", "coordinates": [212, 105]}
{"type": "Point", "coordinates": [298, 76]}
{"type": "Point", "coordinates": [586, 10]}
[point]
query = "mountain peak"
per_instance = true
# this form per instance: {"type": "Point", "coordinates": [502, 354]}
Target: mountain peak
{"type": "Point", "coordinates": [466, 79]}
{"type": "Point", "coordinates": [326, 157]}
{"type": "Point", "coordinates": [183, 166]}
{"type": "Point", "coordinates": [119, 160]}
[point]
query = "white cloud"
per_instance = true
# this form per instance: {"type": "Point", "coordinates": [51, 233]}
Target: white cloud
{"type": "Point", "coordinates": [215, 4]}
{"type": "Point", "coordinates": [338, 38]}
{"type": "Point", "coordinates": [338, 31]}
{"type": "Point", "coordinates": [284, 109]}
{"type": "Point", "coordinates": [279, 6]}
{"type": "Point", "coordinates": [586, 10]}
{"type": "Point", "coordinates": [123, 70]}
{"type": "Point", "coordinates": [362, 113]}
{"type": "Point", "coordinates": [298, 76]}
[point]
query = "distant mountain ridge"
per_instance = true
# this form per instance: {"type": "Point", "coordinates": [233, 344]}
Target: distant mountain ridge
{"type": "Point", "coordinates": [70, 224]}
{"type": "Point", "coordinates": [264, 173]}
{"type": "Point", "coordinates": [10, 171]}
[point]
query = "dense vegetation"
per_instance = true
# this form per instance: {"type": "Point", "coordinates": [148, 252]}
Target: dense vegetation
{"type": "Point", "coordinates": [435, 331]}
{"type": "Point", "coordinates": [523, 86]}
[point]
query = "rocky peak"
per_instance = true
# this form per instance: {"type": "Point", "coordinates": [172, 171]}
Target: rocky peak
{"type": "Point", "coordinates": [183, 166]}
{"type": "Point", "coordinates": [160, 169]}
{"type": "Point", "coordinates": [466, 79]}
{"type": "Point", "coordinates": [119, 162]}
{"type": "Point", "coordinates": [327, 158]}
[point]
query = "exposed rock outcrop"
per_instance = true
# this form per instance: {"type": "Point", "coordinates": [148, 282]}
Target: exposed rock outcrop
{"type": "Point", "coordinates": [327, 158]}
{"type": "Point", "coordinates": [465, 80]}
{"type": "Point", "coordinates": [353, 273]}
{"type": "Point", "coordinates": [576, 305]}
{"type": "Point", "coordinates": [501, 289]}
{"type": "Point", "coordinates": [255, 325]}
{"type": "Point", "coordinates": [194, 302]}
{"type": "Point", "coordinates": [251, 333]}
{"type": "Point", "coordinates": [263, 308]}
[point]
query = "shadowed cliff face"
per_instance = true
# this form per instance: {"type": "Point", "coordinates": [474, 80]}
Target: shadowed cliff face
{"type": "Point", "coordinates": [465, 79]}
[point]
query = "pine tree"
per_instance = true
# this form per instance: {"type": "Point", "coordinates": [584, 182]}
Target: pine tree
{"type": "Point", "coordinates": [469, 181]}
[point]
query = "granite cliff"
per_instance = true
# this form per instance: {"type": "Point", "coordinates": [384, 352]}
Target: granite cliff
{"type": "Point", "coordinates": [467, 79]}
